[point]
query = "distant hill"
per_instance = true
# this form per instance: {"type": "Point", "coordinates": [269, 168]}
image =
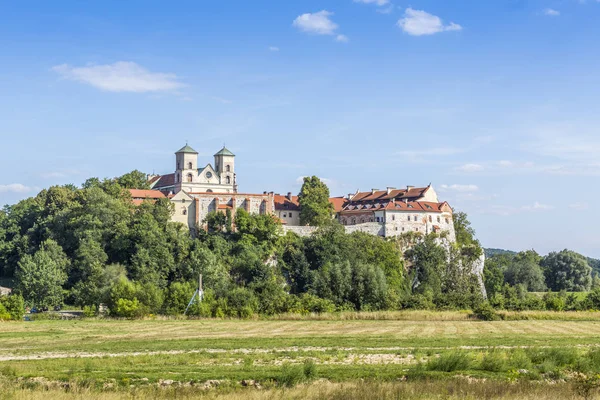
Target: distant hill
{"type": "Point", "coordinates": [495, 252]}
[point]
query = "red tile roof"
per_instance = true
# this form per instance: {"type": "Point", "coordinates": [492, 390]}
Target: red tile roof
{"type": "Point", "coordinates": [411, 206]}
{"type": "Point", "coordinates": [284, 203]}
{"type": "Point", "coordinates": [410, 194]}
{"type": "Point", "coordinates": [139, 195]}
{"type": "Point", "coordinates": [338, 203]}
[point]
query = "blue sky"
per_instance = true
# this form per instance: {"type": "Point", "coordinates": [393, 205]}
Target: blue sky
{"type": "Point", "coordinates": [494, 102]}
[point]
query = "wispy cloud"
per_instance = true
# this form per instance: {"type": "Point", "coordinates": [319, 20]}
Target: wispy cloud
{"type": "Point", "coordinates": [122, 76]}
{"type": "Point", "coordinates": [504, 210]}
{"type": "Point", "coordinates": [65, 173]}
{"type": "Point", "coordinates": [342, 38]}
{"type": "Point", "coordinates": [16, 188]}
{"type": "Point", "coordinates": [551, 12]}
{"type": "Point", "coordinates": [432, 152]}
{"type": "Point", "coordinates": [470, 168]}
{"type": "Point", "coordinates": [419, 23]}
{"type": "Point", "coordinates": [376, 2]}
{"type": "Point", "coordinates": [579, 206]}
{"type": "Point", "coordinates": [459, 188]}
{"type": "Point", "coordinates": [273, 48]}
{"type": "Point", "coordinates": [317, 23]}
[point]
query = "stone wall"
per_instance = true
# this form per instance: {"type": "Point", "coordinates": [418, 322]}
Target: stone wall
{"type": "Point", "coordinates": [373, 228]}
{"type": "Point", "coordinates": [300, 230]}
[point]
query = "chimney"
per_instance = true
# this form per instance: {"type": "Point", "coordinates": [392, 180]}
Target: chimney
{"type": "Point", "coordinates": [409, 187]}
{"type": "Point", "coordinates": [389, 189]}
{"type": "Point", "coordinates": [289, 196]}
{"type": "Point", "coordinates": [373, 191]}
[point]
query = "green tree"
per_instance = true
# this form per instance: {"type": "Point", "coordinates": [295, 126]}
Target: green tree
{"type": "Point", "coordinates": [465, 234]}
{"type": "Point", "coordinates": [40, 277]}
{"type": "Point", "coordinates": [527, 273]}
{"type": "Point", "coordinates": [567, 270]}
{"type": "Point", "coordinates": [134, 180]}
{"type": "Point", "coordinates": [315, 208]}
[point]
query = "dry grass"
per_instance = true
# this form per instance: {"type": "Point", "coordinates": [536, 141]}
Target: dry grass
{"type": "Point", "coordinates": [460, 388]}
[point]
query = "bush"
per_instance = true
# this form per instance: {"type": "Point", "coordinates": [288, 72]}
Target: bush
{"type": "Point", "coordinates": [310, 370]}
{"type": "Point", "coordinates": [89, 311]}
{"type": "Point", "coordinates": [14, 306]}
{"type": "Point", "coordinates": [449, 362]}
{"type": "Point", "coordinates": [494, 361]}
{"type": "Point", "coordinates": [128, 308]}
{"type": "Point", "coordinates": [4, 315]}
{"type": "Point", "coordinates": [485, 312]}
{"type": "Point", "coordinates": [290, 375]}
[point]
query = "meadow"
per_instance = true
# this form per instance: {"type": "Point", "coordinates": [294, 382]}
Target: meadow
{"type": "Point", "coordinates": [353, 355]}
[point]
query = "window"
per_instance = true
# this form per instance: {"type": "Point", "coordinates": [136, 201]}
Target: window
{"type": "Point", "coordinates": [184, 211]}
{"type": "Point", "coordinates": [402, 229]}
{"type": "Point", "coordinates": [447, 221]}
{"type": "Point", "coordinates": [176, 178]}
{"type": "Point", "coordinates": [439, 219]}
{"type": "Point", "coordinates": [290, 215]}
{"type": "Point", "coordinates": [409, 217]}
{"type": "Point", "coordinates": [353, 221]}
{"type": "Point", "coordinates": [228, 168]}
{"type": "Point", "coordinates": [228, 180]}
{"type": "Point", "coordinates": [190, 178]}
{"type": "Point", "coordinates": [415, 217]}
{"type": "Point", "coordinates": [430, 220]}
{"type": "Point", "coordinates": [284, 215]}
{"type": "Point", "coordinates": [208, 175]}
{"type": "Point", "coordinates": [393, 217]}
{"type": "Point", "coordinates": [190, 165]}
{"type": "Point", "coordinates": [377, 219]}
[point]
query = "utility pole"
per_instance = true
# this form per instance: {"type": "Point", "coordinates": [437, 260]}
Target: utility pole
{"type": "Point", "coordinates": [199, 292]}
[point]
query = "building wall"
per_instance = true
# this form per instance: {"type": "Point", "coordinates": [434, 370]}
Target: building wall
{"type": "Point", "coordinates": [184, 209]}
{"type": "Point", "coordinates": [399, 222]}
{"type": "Point", "coordinates": [373, 228]}
{"type": "Point", "coordinates": [291, 218]}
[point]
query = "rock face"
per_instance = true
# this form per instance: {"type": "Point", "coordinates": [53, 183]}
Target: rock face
{"type": "Point", "coordinates": [478, 270]}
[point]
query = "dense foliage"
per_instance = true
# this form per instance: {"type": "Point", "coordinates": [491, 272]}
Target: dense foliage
{"type": "Point", "coordinates": [316, 210]}
{"type": "Point", "coordinates": [92, 245]}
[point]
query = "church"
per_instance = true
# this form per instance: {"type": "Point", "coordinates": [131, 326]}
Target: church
{"type": "Point", "coordinates": [189, 177]}
{"type": "Point", "coordinates": [197, 191]}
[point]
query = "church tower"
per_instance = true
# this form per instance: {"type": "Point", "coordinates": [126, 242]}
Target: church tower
{"type": "Point", "coordinates": [225, 167]}
{"type": "Point", "coordinates": [186, 168]}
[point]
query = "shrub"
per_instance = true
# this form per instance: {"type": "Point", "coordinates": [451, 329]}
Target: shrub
{"type": "Point", "coordinates": [89, 311]}
{"type": "Point", "coordinates": [127, 308]}
{"type": "Point", "coordinates": [449, 362]}
{"type": "Point", "coordinates": [14, 306]}
{"type": "Point", "coordinates": [4, 315]}
{"type": "Point", "coordinates": [485, 312]}
{"type": "Point", "coordinates": [494, 361]}
{"type": "Point", "coordinates": [310, 369]}
{"type": "Point", "coordinates": [290, 375]}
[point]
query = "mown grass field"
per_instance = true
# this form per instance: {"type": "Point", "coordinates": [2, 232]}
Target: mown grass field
{"type": "Point", "coordinates": [117, 358]}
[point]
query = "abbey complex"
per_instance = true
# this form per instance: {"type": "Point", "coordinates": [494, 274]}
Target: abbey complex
{"type": "Point", "coordinates": [198, 190]}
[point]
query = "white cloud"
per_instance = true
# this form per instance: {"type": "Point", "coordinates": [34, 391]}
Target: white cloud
{"type": "Point", "coordinates": [436, 151]}
{"type": "Point", "coordinates": [537, 206]}
{"type": "Point", "coordinates": [386, 10]}
{"type": "Point", "coordinates": [459, 188]}
{"type": "Point", "coordinates": [122, 76]}
{"type": "Point", "coordinates": [342, 38]}
{"type": "Point", "coordinates": [551, 12]}
{"type": "Point", "coordinates": [418, 23]}
{"type": "Point", "coordinates": [273, 48]}
{"type": "Point", "coordinates": [376, 2]}
{"type": "Point", "coordinates": [15, 188]}
{"type": "Point", "coordinates": [470, 168]}
{"type": "Point", "coordinates": [579, 206]}
{"type": "Point", "coordinates": [317, 23]}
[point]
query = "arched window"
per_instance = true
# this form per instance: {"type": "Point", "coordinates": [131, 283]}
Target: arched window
{"type": "Point", "coordinates": [228, 168]}
{"type": "Point", "coordinates": [430, 219]}
{"type": "Point", "coordinates": [190, 178]}
{"type": "Point", "coordinates": [209, 191]}
{"type": "Point", "coordinates": [353, 221]}
{"type": "Point", "coordinates": [228, 180]}
{"type": "Point", "coordinates": [190, 166]}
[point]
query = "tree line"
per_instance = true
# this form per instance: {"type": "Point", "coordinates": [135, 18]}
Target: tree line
{"type": "Point", "coordinates": [91, 245]}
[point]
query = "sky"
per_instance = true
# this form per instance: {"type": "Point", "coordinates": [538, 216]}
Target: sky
{"type": "Point", "coordinates": [493, 102]}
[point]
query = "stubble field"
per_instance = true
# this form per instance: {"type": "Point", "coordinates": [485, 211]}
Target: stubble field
{"type": "Point", "coordinates": [410, 356]}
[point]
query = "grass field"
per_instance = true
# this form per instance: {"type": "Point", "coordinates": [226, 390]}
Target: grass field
{"type": "Point", "coordinates": [152, 358]}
